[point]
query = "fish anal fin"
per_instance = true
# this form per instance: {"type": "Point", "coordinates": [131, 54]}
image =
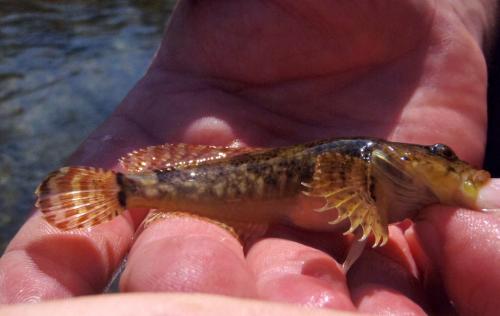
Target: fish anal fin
{"type": "Point", "coordinates": [177, 156]}
{"type": "Point", "coordinates": [344, 182]}
{"type": "Point", "coordinates": [242, 231]}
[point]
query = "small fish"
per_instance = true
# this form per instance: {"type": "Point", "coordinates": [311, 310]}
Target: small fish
{"type": "Point", "coordinates": [315, 186]}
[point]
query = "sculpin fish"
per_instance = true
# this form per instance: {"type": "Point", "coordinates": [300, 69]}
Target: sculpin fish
{"type": "Point", "coordinates": [315, 186]}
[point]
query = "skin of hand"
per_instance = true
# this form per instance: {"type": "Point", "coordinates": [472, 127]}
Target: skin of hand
{"type": "Point", "coordinates": [271, 73]}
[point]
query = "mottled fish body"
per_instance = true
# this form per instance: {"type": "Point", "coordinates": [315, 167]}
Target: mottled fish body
{"type": "Point", "coordinates": [315, 186]}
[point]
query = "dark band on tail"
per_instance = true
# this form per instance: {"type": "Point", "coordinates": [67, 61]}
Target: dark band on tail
{"type": "Point", "coordinates": [122, 196]}
{"type": "Point", "coordinates": [80, 197]}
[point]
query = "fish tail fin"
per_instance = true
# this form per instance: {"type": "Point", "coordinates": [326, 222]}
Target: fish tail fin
{"type": "Point", "coordinates": [80, 197]}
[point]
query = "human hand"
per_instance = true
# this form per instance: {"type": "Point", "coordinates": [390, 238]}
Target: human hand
{"type": "Point", "coordinates": [282, 72]}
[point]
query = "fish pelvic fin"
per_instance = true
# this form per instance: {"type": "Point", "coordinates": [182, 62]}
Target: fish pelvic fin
{"type": "Point", "coordinates": [80, 197]}
{"type": "Point", "coordinates": [344, 182]}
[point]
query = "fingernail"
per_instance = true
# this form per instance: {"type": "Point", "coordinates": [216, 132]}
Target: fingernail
{"type": "Point", "coordinates": [489, 195]}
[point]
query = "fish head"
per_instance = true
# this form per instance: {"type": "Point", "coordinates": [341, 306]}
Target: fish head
{"type": "Point", "coordinates": [438, 168]}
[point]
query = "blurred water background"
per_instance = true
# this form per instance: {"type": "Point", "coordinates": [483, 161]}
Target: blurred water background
{"type": "Point", "coordinates": [64, 66]}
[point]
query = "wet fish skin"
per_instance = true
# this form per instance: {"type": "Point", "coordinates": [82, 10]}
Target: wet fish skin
{"type": "Point", "coordinates": [315, 186]}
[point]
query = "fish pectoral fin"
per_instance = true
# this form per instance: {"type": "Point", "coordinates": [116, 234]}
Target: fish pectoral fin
{"type": "Point", "coordinates": [242, 231]}
{"type": "Point", "coordinates": [361, 212]}
{"type": "Point", "coordinates": [177, 156]}
{"type": "Point", "coordinates": [372, 221]}
{"type": "Point", "coordinates": [342, 181]}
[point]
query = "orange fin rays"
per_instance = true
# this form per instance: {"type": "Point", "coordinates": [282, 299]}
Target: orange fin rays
{"type": "Point", "coordinates": [344, 183]}
{"type": "Point", "coordinates": [177, 156]}
{"type": "Point", "coordinates": [79, 197]}
{"type": "Point", "coordinates": [156, 215]}
{"type": "Point", "coordinates": [244, 232]}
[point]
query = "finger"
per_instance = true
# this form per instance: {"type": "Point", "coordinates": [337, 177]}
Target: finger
{"type": "Point", "coordinates": [42, 262]}
{"type": "Point", "coordinates": [287, 271]}
{"type": "Point", "coordinates": [186, 254]}
{"type": "Point", "coordinates": [384, 281]}
{"type": "Point", "coordinates": [162, 304]}
{"type": "Point", "coordinates": [463, 246]}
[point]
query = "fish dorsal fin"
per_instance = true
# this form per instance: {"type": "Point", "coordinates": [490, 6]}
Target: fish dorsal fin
{"type": "Point", "coordinates": [344, 182]}
{"type": "Point", "coordinates": [177, 156]}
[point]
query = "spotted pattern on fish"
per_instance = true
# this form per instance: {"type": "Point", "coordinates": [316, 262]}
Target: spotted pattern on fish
{"type": "Point", "coordinates": [370, 182]}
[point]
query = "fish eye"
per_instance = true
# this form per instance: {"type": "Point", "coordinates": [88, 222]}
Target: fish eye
{"type": "Point", "coordinates": [443, 151]}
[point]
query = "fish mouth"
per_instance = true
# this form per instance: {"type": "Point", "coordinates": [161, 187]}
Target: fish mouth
{"type": "Point", "coordinates": [452, 182]}
{"type": "Point", "coordinates": [481, 178]}
{"type": "Point", "coordinates": [472, 187]}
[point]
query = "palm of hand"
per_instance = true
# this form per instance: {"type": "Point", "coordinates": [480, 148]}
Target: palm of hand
{"type": "Point", "coordinates": [273, 74]}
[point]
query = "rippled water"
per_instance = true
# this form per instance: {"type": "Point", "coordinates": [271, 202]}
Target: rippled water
{"type": "Point", "coordinates": [64, 66]}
